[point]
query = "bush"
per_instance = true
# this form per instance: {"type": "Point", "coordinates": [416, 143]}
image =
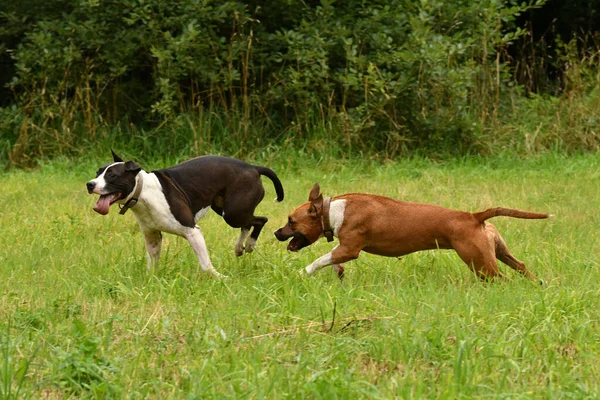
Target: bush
{"type": "Point", "coordinates": [383, 77]}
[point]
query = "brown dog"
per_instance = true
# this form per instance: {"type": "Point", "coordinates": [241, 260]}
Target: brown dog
{"type": "Point", "coordinates": [384, 226]}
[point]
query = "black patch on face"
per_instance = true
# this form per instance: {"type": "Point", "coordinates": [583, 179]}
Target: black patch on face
{"type": "Point", "coordinates": [101, 170]}
{"type": "Point", "coordinates": [119, 178]}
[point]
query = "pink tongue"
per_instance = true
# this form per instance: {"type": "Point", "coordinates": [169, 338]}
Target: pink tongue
{"type": "Point", "coordinates": [103, 203]}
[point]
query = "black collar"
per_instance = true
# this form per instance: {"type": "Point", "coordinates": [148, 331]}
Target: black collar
{"type": "Point", "coordinates": [133, 197]}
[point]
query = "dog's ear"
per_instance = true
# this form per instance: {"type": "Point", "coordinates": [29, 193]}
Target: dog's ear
{"type": "Point", "coordinates": [132, 166]}
{"type": "Point", "coordinates": [316, 200]}
{"type": "Point", "coordinates": [314, 192]}
{"type": "Point", "coordinates": [116, 158]}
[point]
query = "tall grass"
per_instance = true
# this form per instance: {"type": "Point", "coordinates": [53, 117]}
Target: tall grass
{"type": "Point", "coordinates": [74, 283]}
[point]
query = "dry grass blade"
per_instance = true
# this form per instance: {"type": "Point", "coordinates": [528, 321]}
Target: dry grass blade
{"type": "Point", "coordinates": [311, 325]}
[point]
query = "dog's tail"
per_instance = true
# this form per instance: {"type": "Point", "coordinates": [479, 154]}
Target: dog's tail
{"type": "Point", "coordinates": [273, 177]}
{"type": "Point", "coordinates": [507, 212]}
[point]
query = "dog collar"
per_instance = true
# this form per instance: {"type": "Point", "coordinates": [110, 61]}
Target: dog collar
{"type": "Point", "coordinates": [327, 229]}
{"type": "Point", "coordinates": [133, 198]}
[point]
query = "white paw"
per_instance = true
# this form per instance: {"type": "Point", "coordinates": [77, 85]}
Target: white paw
{"type": "Point", "coordinates": [215, 274]}
{"type": "Point", "coordinates": [220, 276]}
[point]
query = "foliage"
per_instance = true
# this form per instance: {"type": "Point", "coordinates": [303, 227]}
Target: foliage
{"type": "Point", "coordinates": [13, 368]}
{"type": "Point", "coordinates": [381, 77]}
{"type": "Point", "coordinates": [82, 368]}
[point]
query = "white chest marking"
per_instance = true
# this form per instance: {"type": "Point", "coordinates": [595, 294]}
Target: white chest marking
{"type": "Point", "coordinates": [152, 211]}
{"type": "Point", "coordinates": [336, 215]}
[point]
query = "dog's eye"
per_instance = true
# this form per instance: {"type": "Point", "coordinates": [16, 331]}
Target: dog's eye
{"type": "Point", "coordinates": [110, 175]}
{"type": "Point", "coordinates": [291, 222]}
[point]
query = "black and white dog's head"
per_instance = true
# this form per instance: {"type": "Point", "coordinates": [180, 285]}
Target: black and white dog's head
{"type": "Point", "coordinates": [113, 182]}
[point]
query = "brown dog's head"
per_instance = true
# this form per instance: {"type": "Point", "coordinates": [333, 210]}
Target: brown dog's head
{"type": "Point", "coordinates": [304, 224]}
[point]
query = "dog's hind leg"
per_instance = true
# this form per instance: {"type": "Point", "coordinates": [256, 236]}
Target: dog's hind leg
{"type": "Point", "coordinates": [478, 253]}
{"type": "Point", "coordinates": [257, 224]}
{"type": "Point", "coordinates": [239, 245]}
{"type": "Point", "coordinates": [196, 239]}
{"type": "Point", "coordinates": [238, 212]}
{"type": "Point", "coordinates": [504, 255]}
{"type": "Point", "coordinates": [153, 241]}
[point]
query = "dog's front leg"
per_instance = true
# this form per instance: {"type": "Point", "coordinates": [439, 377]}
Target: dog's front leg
{"type": "Point", "coordinates": [196, 239]}
{"type": "Point", "coordinates": [316, 265]}
{"type": "Point", "coordinates": [153, 245]}
{"type": "Point", "coordinates": [338, 255]}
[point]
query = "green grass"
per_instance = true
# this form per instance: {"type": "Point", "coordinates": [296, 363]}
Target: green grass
{"type": "Point", "coordinates": [81, 317]}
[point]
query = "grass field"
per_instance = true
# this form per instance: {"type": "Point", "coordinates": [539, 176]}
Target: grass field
{"type": "Point", "coordinates": [81, 317]}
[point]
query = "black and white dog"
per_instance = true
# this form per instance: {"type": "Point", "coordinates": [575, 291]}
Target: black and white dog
{"type": "Point", "coordinates": [173, 199]}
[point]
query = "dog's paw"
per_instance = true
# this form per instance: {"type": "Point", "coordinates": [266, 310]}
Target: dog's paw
{"type": "Point", "coordinates": [250, 245]}
{"type": "Point", "coordinates": [220, 276]}
{"type": "Point", "coordinates": [216, 274]}
{"type": "Point", "coordinates": [239, 250]}
{"type": "Point", "coordinates": [339, 270]}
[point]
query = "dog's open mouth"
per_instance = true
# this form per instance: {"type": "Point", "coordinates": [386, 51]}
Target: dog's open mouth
{"type": "Point", "coordinates": [299, 241]}
{"type": "Point", "coordinates": [105, 201]}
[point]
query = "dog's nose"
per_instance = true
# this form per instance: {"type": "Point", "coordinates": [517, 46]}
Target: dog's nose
{"type": "Point", "coordinates": [277, 234]}
{"type": "Point", "coordinates": [90, 186]}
